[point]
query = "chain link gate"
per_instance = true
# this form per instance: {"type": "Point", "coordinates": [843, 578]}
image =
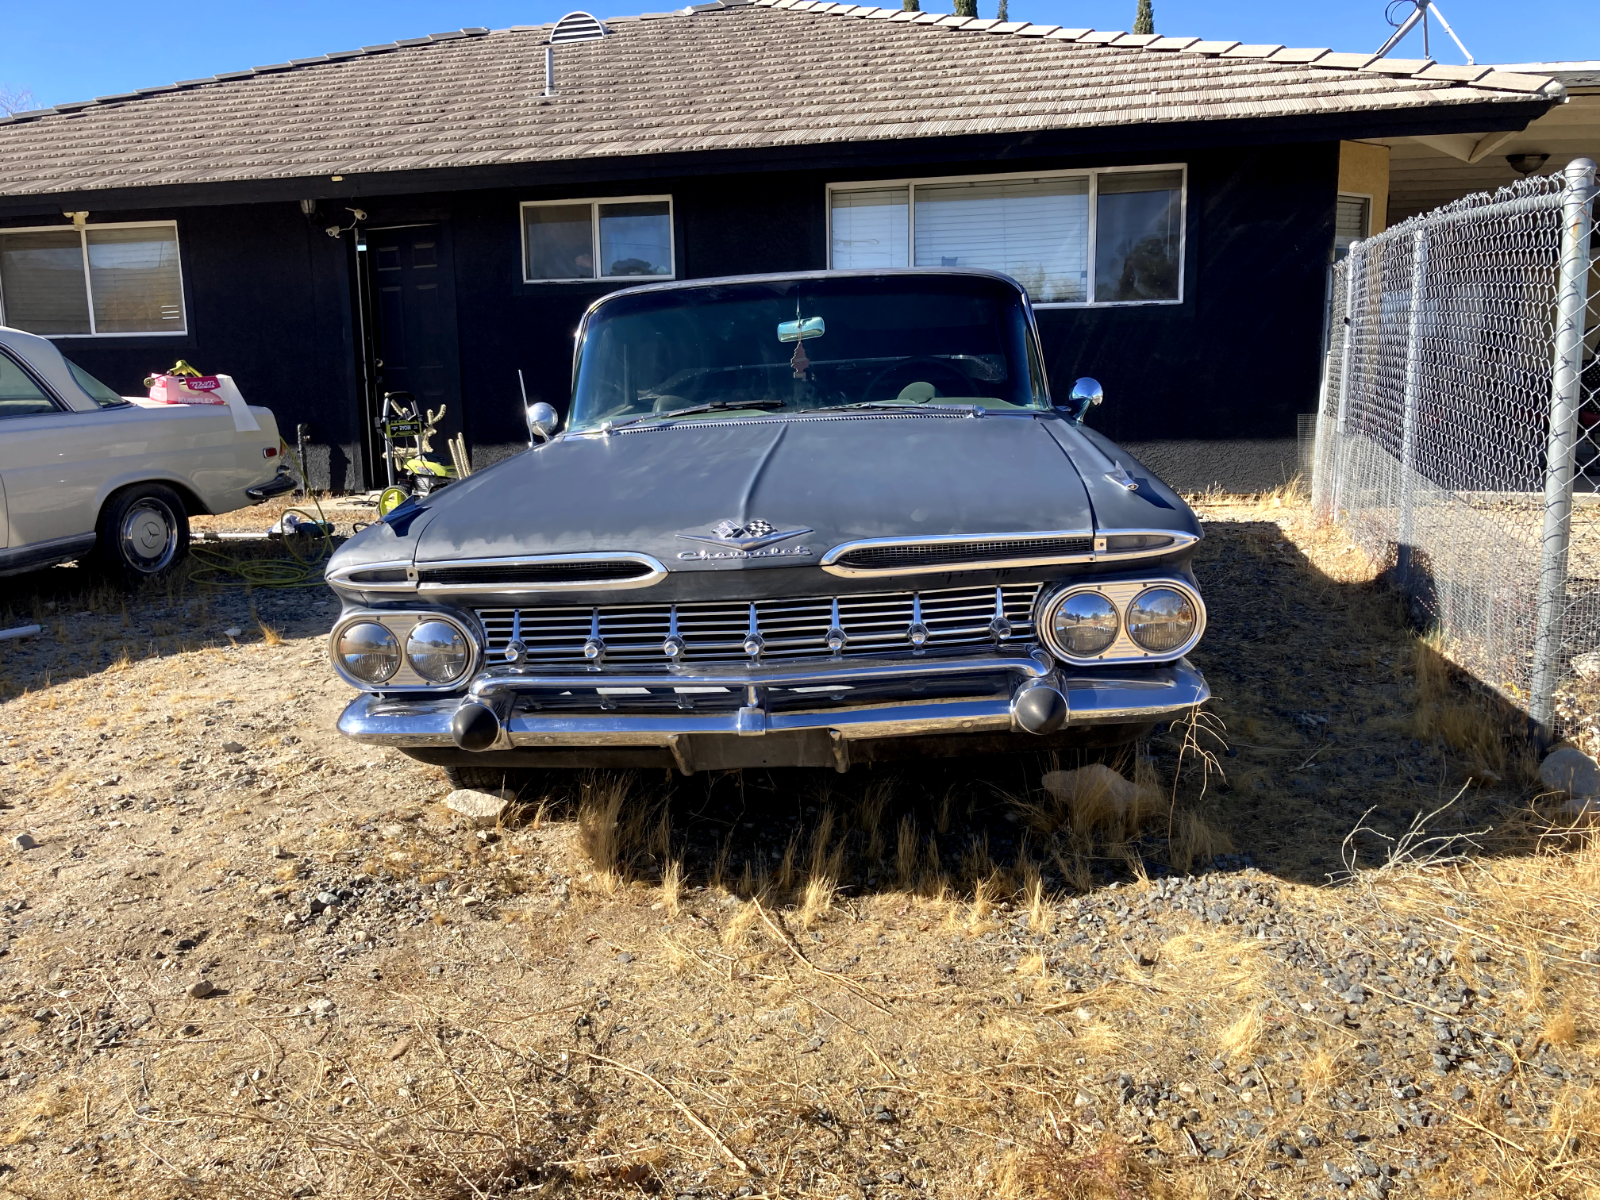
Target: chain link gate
{"type": "Point", "coordinates": [1458, 433]}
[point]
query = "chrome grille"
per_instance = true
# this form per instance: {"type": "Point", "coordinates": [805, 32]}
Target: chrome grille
{"type": "Point", "coordinates": [875, 624]}
{"type": "Point", "coordinates": [531, 575]}
{"type": "Point", "coordinates": [938, 554]}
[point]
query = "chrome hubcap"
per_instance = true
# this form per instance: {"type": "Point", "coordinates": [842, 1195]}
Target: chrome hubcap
{"type": "Point", "coordinates": [149, 536]}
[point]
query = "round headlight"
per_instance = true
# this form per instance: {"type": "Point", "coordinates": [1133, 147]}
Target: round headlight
{"type": "Point", "coordinates": [437, 651]}
{"type": "Point", "coordinates": [1084, 624]}
{"type": "Point", "coordinates": [368, 652]}
{"type": "Point", "coordinates": [1162, 619]}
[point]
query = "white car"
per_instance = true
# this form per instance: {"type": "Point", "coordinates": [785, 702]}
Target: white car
{"type": "Point", "coordinates": [90, 475]}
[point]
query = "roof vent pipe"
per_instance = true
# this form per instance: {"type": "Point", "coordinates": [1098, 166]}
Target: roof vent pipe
{"type": "Point", "coordinates": [549, 70]}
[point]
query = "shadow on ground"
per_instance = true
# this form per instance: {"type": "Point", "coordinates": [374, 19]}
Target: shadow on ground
{"type": "Point", "coordinates": [1329, 713]}
{"type": "Point", "coordinates": [89, 627]}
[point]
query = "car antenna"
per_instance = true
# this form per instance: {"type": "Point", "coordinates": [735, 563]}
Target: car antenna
{"type": "Point", "coordinates": [523, 384]}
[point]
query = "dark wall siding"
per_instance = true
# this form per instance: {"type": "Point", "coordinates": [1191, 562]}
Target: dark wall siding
{"type": "Point", "coordinates": [1240, 356]}
{"type": "Point", "coordinates": [270, 297]}
{"type": "Point", "coordinates": [267, 299]}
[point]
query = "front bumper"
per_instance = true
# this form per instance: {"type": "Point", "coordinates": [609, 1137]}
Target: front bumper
{"type": "Point", "coordinates": [815, 709]}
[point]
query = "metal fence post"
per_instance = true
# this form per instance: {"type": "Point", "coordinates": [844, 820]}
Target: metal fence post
{"type": "Point", "coordinates": [1408, 426]}
{"type": "Point", "coordinates": [1571, 303]}
{"type": "Point", "coordinates": [1358, 254]}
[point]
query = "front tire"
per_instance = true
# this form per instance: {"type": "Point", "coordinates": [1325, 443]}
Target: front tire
{"type": "Point", "coordinates": [142, 535]}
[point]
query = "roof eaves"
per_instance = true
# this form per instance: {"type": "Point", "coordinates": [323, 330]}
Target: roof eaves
{"type": "Point", "coordinates": [1321, 58]}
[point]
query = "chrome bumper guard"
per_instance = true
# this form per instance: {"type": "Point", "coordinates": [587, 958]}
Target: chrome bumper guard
{"type": "Point", "coordinates": [276, 486]}
{"type": "Point", "coordinates": [511, 707]}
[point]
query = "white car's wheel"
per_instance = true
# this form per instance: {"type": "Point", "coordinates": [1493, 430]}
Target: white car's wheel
{"type": "Point", "coordinates": [143, 534]}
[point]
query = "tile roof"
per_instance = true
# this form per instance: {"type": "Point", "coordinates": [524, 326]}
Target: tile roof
{"type": "Point", "coordinates": [726, 75]}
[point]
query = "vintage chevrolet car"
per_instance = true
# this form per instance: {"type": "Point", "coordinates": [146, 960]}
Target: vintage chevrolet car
{"type": "Point", "coordinates": [792, 520]}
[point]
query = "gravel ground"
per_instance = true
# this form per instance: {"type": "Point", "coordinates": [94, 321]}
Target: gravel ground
{"type": "Point", "coordinates": [245, 958]}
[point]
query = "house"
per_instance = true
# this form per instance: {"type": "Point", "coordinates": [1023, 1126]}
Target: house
{"type": "Point", "coordinates": [435, 214]}
{"type": "Point", "coordinates": [1425, 172]}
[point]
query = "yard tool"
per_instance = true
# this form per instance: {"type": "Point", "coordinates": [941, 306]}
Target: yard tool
{"type": "Point", "coordinates": [412, 469]}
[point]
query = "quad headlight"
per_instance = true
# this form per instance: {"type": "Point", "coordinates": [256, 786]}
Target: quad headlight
{"type": "Point", "coordinates": [1121, 620]}
{"type": "Point", "coordinates": [438, 651]}
{"type": "Point", "coordinates": [1161, 619]}
{"type": "Point", "coordinates": [404, 650]}
{"type": "Point", "coordinates": [1085, 624]}
{"type": "Point", "coordinates": [368, 651]}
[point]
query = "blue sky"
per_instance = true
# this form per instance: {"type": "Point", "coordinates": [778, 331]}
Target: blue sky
{"type": "Point", "coordinates": [98, 47]}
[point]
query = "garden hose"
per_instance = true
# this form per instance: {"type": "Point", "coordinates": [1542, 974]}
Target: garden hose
{"type": "Point", "coordinates": [298, 569]}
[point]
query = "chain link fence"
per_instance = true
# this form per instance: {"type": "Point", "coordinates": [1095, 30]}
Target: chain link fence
{"type": "Point", "coordinates": [1458, 434]}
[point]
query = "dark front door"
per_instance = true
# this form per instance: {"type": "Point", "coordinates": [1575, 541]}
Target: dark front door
{"type": "Point", "coordinates": [411, 283]}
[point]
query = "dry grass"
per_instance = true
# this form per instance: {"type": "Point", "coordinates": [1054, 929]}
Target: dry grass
{"type": "Point", "coordinates": [745, 1007]}
{"type": "Point", "coordinates": [1055, 1168]}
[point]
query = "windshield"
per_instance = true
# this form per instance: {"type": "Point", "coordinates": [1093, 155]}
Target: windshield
{"type": "Point", "coordinates": [98, 392]}
{"type": "Point", "coordinates": [804, 345]}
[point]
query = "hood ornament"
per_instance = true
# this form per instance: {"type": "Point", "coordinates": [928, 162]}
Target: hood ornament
{"type": "Point", "coordinates": [752, 535]}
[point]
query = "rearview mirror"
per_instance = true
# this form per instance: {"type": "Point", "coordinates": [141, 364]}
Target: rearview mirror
{"type": "Point", "coordinates": [542, 421]}
{"type": "Point", "coordinates": [1086, 394]}
{"type": "Point", "coordinates": [794, 331]}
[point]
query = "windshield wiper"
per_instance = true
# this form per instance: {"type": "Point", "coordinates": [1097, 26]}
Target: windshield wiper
{"type": "Point", "coordinates": [713, 406]}
{"type": "Point", "coordinates": [971, 410]}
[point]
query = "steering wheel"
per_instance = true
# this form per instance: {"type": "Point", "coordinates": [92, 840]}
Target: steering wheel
{"type": "Point", "coordinates": [905, 363]}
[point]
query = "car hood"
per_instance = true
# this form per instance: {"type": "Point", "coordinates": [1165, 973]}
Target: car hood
{"type": "Point", "coordinates": [838, 479]}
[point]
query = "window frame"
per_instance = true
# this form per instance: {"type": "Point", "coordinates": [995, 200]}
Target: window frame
{"type": "Point", "coordinates": [49, 393]}
{"type": "Point", "coordinates": [88, 284]}
{"type": "Point", "coordinates": [1369, 200]}
{"type": "Point", "coordinates": [1093, 174]}
{"type": "Point", "coordinates": [594, 203]}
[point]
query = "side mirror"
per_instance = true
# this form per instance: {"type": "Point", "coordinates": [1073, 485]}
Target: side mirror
{"type": "Point", "coordinates": [542, 422]}
{"type": "Point", "coordinates": [1086, 394]}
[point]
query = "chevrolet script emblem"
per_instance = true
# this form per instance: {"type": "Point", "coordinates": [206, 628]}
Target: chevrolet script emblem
{"type": "Point", "coordinates": [744, 541]}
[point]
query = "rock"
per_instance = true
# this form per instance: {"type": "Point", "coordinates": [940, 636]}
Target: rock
{"type": "Point", "coordinates": [323, 900]}
{"type": "Point", "coordinates": [1104, 795]}
{"type": "Point", "coordinates": [232, 631]}
{"type": "Point", "coordinates": [232, 748]}
{"type": "Point", "coordinates": [1082, 1100]}
{"type": "Point", "coordinates": [1336, 1176]}
{"type": "Point", "coordinates": [1568, 769]}
{"type": "Point", "coordinates": [483, 808]}
{"type": "Point", "coordinates": [23, 841]}
{"type": "Point", "coordinates": [322, 1007]}
{"type": "Point", "coordinates": [200, 989]}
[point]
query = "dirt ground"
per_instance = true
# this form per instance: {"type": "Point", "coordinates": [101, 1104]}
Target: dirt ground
{"type": "Point", "coordinates": [248, 959]}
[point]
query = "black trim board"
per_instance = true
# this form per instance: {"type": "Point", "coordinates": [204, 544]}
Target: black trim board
{"type": "Point", "coordinates": [885, 157]}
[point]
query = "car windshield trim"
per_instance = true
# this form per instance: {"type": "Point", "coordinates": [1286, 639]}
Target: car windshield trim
{"type": "Point", "coordinates": [99, 392]}
{"type": "Point", "coordinates": [970, 410]}
{"type": "Point", "coordinates": [711, 406]}
{"type": "Point", "coordinates": [916, 342]}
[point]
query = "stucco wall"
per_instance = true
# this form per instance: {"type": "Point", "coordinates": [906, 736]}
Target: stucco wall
{"type": "Point", "coordinates": [1364, 171]}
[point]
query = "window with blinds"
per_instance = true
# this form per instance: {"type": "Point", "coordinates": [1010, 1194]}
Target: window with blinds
{"type": "Point", "coordinates": [92, 281]}
{"type": "Point", "coordinates": [566, 241]}
{"type": "Point", "coordinates": [1352, 221]}
{"type": "Point", "coordinates": [1089, 237]}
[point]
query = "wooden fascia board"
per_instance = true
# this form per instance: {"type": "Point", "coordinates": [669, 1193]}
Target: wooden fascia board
{"type": "Point", "coordinates": [886, 158]}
